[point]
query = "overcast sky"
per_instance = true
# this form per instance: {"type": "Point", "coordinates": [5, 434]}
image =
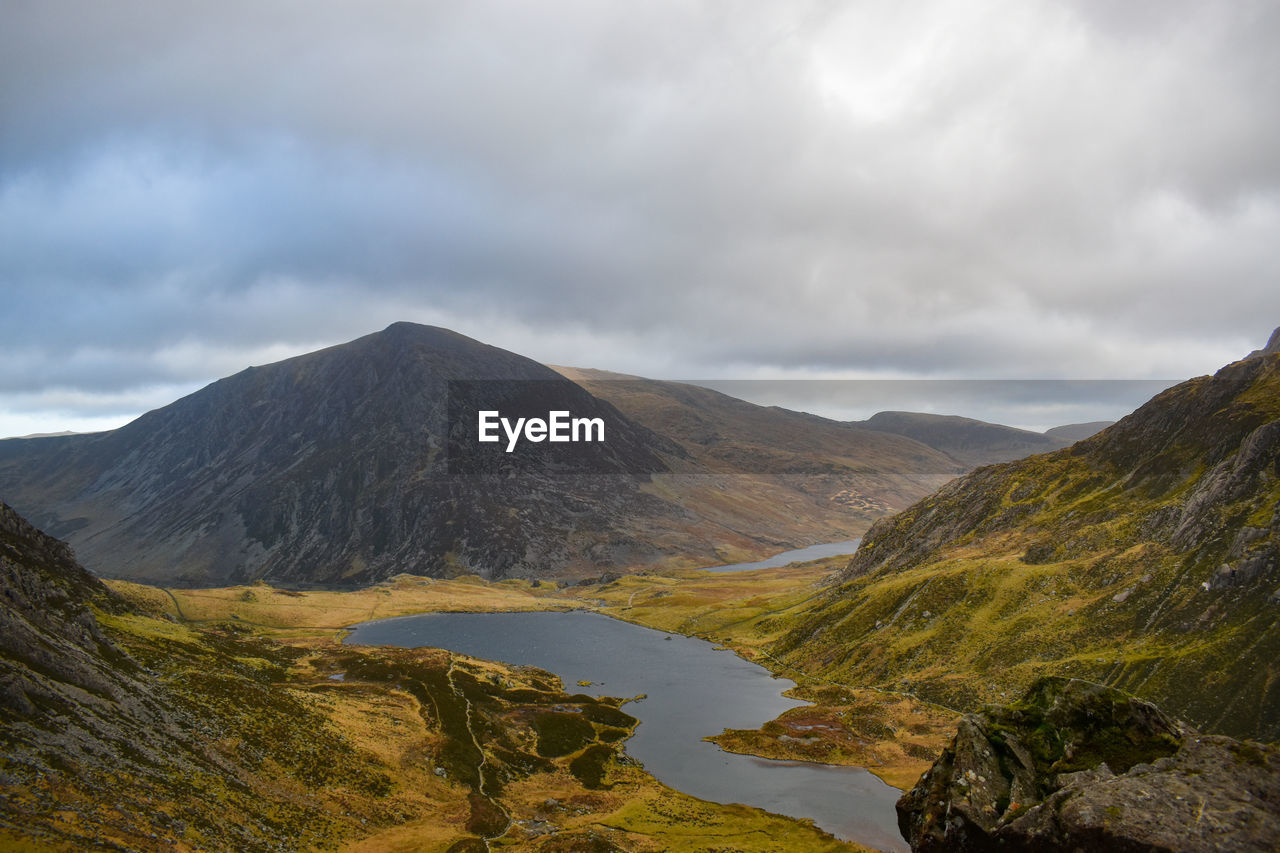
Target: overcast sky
{"type": "Point", "coordinates": [1014, 189]}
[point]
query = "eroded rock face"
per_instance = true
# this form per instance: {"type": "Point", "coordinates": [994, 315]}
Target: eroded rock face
{"type": "Point", "coordinates": [1079, 766]}
{"type": "Point", "coordinates": [49, 641]}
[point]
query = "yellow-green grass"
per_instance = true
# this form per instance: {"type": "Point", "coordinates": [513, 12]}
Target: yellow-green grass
{"type": "Point", "coordinates": [730, 606]}
{"type": "Point", "coordinates": [893, 735]}
{"type": "Point", "coordinates": [318, 613]}
{"type": "Point", "coordinates": [387, 729]}
{"type": "Point", "coordinates": [977, 623]}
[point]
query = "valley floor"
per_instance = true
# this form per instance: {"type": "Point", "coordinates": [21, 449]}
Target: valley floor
{"type": "Point", "coordinates": [531, 796]}
{"type": "Point", "coordinates": [894, 735]}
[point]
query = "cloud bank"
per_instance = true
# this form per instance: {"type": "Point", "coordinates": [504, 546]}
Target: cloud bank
{"type": "Point", "coordinates": [955, 189]}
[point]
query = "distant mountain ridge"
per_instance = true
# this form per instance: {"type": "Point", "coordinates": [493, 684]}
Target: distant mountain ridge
{"type": "Point", "coordinates": [970, 441]}
{"type": "Point", "coordinates": [973, 442]}
{"type": "Point", "coordinates": [1077, 432]}
{"type": "Point", "coordinates": [865, 470]}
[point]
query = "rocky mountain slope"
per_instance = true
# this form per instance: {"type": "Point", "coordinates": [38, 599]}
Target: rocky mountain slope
{"type": "Point", "coordinates": [334, 466]}
{"type": "Point", "coordinates": [1146, 557]}
{"type": "Point", "coordinates": [1078, 766]}
{"type": "Point", "coordinates": [1272, 347]}
{"type": "Point", "coordinates": [55, 660]}
{"type": "Point", "coordinates": [843, 468]}
{"type": "Point", "coordinates": [360, 461]}
{"type": "Point", "coordinates": [82, 713]}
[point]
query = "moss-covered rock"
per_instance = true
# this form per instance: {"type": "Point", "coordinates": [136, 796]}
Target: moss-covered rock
{"type": "Point", "coordinates": [1079, 766]}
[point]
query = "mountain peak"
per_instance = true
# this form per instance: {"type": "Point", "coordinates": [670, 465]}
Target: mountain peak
{"type": "Point", "coordinates": [420, 331]}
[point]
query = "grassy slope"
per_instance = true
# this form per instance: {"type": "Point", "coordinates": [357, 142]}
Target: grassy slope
{"type": "Point", "coordinates": [893, 735]}
{"type": "Point", "coordinates": [1100, 561]}
{"type": "Point", "coordinates": [288, 614]}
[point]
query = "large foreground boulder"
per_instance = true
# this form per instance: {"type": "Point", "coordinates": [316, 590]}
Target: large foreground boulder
{"type": "Point", "coordinates": [1076, 766]}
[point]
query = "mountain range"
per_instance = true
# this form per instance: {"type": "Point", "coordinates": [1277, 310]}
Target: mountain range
{"type": "Point", "coordinates": [347, 465]}
{"type": "Point", "coordinates": [360, 461]}
{"type": "Point", "coordinates": [1145, 557]}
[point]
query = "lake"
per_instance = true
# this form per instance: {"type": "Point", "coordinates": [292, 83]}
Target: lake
{"type": "Point", "coordinates": [800, 555]}
{"type": "Point", "coordinates": [693, 691]}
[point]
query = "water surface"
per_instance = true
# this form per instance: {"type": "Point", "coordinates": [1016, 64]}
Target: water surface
{"type": "Point", "coordinates": [800, 555]}
{"type": "Point", "coordinates": [693, 691]}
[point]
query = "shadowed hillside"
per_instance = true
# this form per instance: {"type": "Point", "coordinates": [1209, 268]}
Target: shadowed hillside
{"type": "Point", "coordinates": [360, 461]}
{"type": "Point", "coordinates": [333, 467]}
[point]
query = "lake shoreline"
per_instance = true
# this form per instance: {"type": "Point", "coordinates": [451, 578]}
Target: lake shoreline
{"type": "Point", "coordinates": [693, 695]}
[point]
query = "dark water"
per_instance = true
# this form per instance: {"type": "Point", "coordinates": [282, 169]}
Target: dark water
{"type": "Point", "coordinates": [693, 691]}
{"type": "Point", "coordinates": [800, 555]}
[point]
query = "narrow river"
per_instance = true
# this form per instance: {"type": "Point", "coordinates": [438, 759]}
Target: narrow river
{"type": "Point", "coordinates": [692, 691]}
{"type": "Point", "coordinates": [800, 555]}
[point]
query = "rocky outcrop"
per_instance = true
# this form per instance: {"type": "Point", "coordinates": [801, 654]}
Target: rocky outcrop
{"type": "Point", "coordinates": [45, 626]}
{"type": "Point", "coordinates": [75, 709]}
{"type": "Point", "coordinates": [53, 653]}
{"type": "Point", "coordinates": [1079, 766]}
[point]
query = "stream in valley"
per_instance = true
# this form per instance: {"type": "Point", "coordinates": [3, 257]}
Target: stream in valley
{"type": "Point", "coordinates": [800, 555]}
{"type": "Point", "coordinates": [692, 691]}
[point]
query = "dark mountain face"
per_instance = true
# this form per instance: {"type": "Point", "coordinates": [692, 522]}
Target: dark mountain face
{"type": "Point", "coordinates": [336, 467]}
{"type": "Point", "coordinates": [969, 441]}
{"type": "Point", "coordinates": [76, 712]}
{"type": "Point", "coordinates": [50, 641]}
{"type": "Point", "coordinates": [361, 461]}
